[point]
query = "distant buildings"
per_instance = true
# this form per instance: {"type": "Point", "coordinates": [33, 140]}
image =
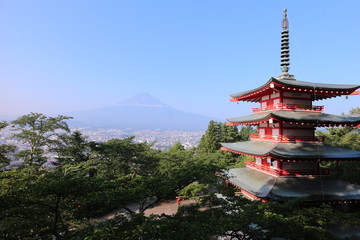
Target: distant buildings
{"type": "Point", "coordinates": [162, 140]}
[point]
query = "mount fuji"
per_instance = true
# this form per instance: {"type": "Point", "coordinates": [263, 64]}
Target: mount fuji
{"type": "Point", "coordinates": [140, 112]}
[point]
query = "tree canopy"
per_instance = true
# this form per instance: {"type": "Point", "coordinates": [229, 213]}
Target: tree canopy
{"type": "Point", "coordinates": [39, 132]}
{"type": "Point", "coordinates": [90, 179]}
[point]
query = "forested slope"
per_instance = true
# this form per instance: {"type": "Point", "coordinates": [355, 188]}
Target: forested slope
{"type": "Point", "coordinates": [89, 179]}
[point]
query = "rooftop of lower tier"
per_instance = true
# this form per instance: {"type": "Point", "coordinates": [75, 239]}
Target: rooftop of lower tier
{"type": "Point", "coordinates": [319, 90]}
{"type": "Point", "coordinates": [309, 118]}
{"type": "Point", "coordinates": [292, 151]}
{"type": "Point", "coordinates": [313, 188]}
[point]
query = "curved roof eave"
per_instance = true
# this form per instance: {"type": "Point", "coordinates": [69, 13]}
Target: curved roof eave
{"type": "Point", "coordinates": [293, 151]}
{"type": "Point", "coordinates": [239, 94]}
{"type": "Point", "coordinates": [292, 116]}
{"type": "Point", "coordinates": [303, 84]}
{"type": "Point", "coordinates": [255, 148]}
{"type": "Point", "coordinates": [314, 188]}
{"type": "Point", "coordinates": [318, 86]}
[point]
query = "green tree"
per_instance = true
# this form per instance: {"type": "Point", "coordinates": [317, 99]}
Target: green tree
{"type": "Point", "coordinates": [118, 157]}
{"type": "Point", "coordinates": [210, 145]}
{"type": "Point", "coordinates": [72, 149]}
{"type": "Point", "coordinates": [5, 154]}
{"type": "Point", "coordinates": [177, 147]}
{"type": "Point", "coordinates": [195, 190]}
{"type": "Point", "coordinates": [47, 204]}
{"type": "Point", "coordinates": [244, 134]}
{"type": "Point", "coordinates": [5, 150]}
{"type": "Point", "coordinates": [210, 141]}
{"type": "Point", "coordinates": [40, 133]}
{"type": "Point", "coordinates": [40, 204]}
{"type": "Point", "coordinates": [218, 133]}
{"type": "Point", "coordinates": [3, 124]}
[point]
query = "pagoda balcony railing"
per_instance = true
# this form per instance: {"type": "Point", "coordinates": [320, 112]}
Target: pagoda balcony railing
{"type": "Point", "coordinates": [283, 172]}
{"type": "Point", "coordinates": [281, 138]}
{"type": "Point", "coordinates": [283, 106]}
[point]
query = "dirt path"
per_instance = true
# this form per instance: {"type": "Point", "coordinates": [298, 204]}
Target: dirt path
{"type": "Point", "coordinates": [168, 207]}
{"type": "Point", "coordinates": [116, 212]}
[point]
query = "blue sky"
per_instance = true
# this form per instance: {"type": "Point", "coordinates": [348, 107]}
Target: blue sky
{"type": "Point", "coordinates": [63, 56]}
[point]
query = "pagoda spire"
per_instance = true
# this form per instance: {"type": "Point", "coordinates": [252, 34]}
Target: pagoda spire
{"type": "Point", "coordinates": [285, 51]}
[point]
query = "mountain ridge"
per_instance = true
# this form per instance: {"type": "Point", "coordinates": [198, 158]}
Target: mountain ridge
{"type": "Point", "coordinates": [142, 99]}
{"type": "Point", "coordinates": [142, 111]}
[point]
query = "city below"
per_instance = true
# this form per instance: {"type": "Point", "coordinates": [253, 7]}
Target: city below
{"type": "Point", "coordinates": [161, 140]}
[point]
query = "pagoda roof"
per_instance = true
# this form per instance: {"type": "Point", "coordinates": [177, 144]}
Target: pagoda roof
{"type": "Point", "coordinates": [299, 151]}
{"type": "Point", "coordinates": [314, 188]}
{"type": "Point", "coordinates": [314, 118]}
{"type": "Point", "coordinates": [319, 90]}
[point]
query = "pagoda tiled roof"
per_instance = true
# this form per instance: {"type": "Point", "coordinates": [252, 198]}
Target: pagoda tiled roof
{"type": "Point", "coordinates": [297, 151]}
{"type": "Point", "coordinates": [313, 188]}
{"type": "Point", "coordinates": [316, 118]}
{"type": "Point", "coordinates": [339, 89]}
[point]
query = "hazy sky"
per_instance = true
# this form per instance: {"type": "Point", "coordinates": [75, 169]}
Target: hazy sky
{"type": "Point", "coordinates": [68, 55]}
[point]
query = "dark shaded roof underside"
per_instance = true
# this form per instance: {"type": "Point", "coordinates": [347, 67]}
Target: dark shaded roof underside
{"type": "Point", "coordinates": [315, 188]}
{"type": "Point", "coordinates": [293, 151]}
{"type": "Point", "coordinates": [305, 85]}
{"type": "Point", "coordinates": [293, 116]}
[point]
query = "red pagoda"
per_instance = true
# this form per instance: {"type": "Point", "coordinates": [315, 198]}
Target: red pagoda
{"type": "Point", "coordinates": [286, 151]}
